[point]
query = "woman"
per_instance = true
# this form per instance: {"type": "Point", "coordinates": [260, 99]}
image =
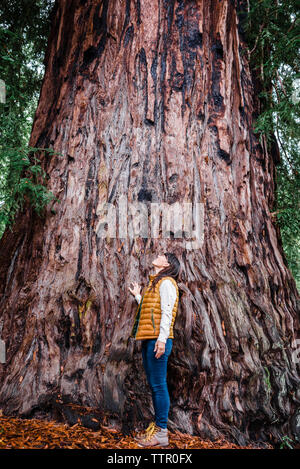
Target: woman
{"type": "Point", "coordinates": [153, 325]}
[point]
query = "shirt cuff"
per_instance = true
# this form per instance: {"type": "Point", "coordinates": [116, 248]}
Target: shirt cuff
{"type": "Point", "coordinates": [162, 339]}
{"type": "Point", "coordinates": [138, 297]}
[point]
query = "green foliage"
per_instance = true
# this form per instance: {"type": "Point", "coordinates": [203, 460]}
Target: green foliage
{"type": "Point", "coordinates": [24, 29]}
{"type": "Point", "coordinates": [267, 378]}
{"type": "Point", "coordinates": [286, 442]}
{"type": "Point", "coordinates": [22, 178]}
{"type": "Point", "coordinates": [273, 39]}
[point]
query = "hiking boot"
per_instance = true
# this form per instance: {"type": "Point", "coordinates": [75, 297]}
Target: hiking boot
{"type": "Point", "coordinates": [139, 436]}
{"type": "Point", "coordinates": [156, 437]}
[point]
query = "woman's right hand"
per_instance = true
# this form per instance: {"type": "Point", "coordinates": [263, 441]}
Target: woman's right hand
{"type": "Point", "coordinates": [136, 290]}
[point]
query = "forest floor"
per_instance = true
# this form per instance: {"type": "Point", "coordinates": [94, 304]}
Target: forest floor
{"type": "Point", "coordinates": [16, 433]}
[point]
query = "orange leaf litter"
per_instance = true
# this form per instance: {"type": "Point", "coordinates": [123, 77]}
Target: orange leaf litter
{"type": "Point", "coordinates": [17, 433]}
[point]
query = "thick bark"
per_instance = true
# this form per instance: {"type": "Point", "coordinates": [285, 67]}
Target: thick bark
{"type": "Point", "coordinates": [158, 106]}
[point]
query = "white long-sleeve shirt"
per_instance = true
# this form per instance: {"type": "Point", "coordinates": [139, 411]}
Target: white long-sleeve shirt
{"type": "Point", "coordinates": [168, 296]}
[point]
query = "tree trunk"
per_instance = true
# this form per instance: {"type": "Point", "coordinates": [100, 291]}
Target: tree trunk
{"type": "Point", "coordinates": [155, 104]}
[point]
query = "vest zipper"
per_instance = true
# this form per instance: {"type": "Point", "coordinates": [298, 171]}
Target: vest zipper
{"type": "Point", "coordinates": [136, 319]}
{"type": "Point", "coordinates": [152, 319]}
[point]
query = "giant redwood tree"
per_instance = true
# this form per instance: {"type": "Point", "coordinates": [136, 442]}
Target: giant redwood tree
{"type": "Point", "coordinates": [154, 101]}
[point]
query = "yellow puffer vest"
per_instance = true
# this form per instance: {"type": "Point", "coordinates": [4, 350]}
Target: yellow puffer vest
{"type": "Point", "coordinates": [148, 315]}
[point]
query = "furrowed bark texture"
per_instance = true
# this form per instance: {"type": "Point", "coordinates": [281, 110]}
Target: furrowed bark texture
{"type": "Point", "coordinates": [154, 101]}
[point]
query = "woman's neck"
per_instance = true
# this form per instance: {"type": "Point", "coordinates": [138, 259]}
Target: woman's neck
{"type": "Point", "coordinates": [157, 269]}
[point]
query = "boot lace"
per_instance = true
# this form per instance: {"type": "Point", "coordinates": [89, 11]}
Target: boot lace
{"type": "Point", "coordinates": [151, 432]}
{"type": "Point", "coordinates": [148, 429]}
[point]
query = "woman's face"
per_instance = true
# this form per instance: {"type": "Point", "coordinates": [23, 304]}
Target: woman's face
{"type": "Point", "coordinates": [160, 261]}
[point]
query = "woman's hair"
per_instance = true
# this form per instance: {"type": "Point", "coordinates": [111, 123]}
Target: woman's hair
{"type": "Point", "coordinates": [171, 270]}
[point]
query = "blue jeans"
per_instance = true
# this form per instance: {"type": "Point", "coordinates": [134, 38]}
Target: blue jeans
{"type": "Point", "coordinates": [156, 372]}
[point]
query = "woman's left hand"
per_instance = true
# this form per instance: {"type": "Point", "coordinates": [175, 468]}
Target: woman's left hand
{"type": "Point", "coordinates": [159, 348]}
